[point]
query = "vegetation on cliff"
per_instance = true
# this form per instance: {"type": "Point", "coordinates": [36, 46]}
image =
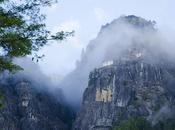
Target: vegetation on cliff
{"type": "Point", "coordinates": [141, 123]}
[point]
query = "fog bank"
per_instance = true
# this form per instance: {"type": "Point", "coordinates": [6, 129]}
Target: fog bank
{"type": "Point", "coordinates": [113, 40]}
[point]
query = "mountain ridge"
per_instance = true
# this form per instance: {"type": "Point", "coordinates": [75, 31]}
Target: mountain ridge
{"type": "Point", "coordinates": [135, 77]}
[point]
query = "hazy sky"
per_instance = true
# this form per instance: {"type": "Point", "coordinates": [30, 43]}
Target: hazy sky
{"type": "Point", "coordinates": [86, 17]}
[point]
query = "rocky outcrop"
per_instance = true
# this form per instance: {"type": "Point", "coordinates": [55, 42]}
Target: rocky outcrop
{"type": "Point", "coordinates": [28, 108]}
{"type": "Point", "coordinates": [110, 41]}
{"type": "Point", "coordinates": [136, 80]}
{"type": "Point", "coordinates": [127, 88]}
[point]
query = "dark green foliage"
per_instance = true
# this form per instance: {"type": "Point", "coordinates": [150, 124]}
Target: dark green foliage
{"type": "Point", "coordinates": [168, 124]}
{"type": "Point", "coordinates": [6, 64]}
{"type": "Point", "coordinates": [139, 22]}
{"type": "Point", "coordinates": [62, 35]}
{"type": "Point", "coordinates": [138, 123]}
{"type": "Point", "coordinates": [1, 99]}
{"type": "Point", "coordinates": [22, 30]}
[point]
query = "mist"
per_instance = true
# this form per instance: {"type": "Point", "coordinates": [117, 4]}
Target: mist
{"type": "Point", "coordinates": [32, 74]}
{"type": "Point", "coordinates": [112, 43]}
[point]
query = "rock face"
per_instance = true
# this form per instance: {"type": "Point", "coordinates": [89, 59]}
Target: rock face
{"type": "Point", "coordinates": [139, 83]}
{"type": "Point", "coordinates": [122, 90]}
{"type": "Point", "coordinates": [28, 108]}
{"type": "Point", "coordinates": [112, 38]}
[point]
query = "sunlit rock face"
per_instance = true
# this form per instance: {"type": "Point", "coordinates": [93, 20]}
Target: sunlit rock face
{"type": "Point", "coordinates": [139, 82]}
{"type": "Point", "coordinates": [122, 90]}
{"type": "Point", "coordinates": [107, 46]}
{"type": "Point", "coordinates": [28, 108]}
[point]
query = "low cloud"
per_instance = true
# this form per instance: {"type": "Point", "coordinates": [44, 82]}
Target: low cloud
{"type": "Point", "coordinates": [61, 57]}
{"type": "Point", "coordinates": [68, 25]}
{"type": "Point", "coordinates": [112, 43]}
{"type": "Point", "coordinates": [100, 14]}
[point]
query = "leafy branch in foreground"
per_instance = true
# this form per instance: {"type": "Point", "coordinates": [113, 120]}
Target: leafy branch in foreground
{"type": "Point", "coordinates": [23, 31]}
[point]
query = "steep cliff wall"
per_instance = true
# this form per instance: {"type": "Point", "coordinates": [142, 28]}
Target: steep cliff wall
{"type": "Point", "coordinates": [136, 80]}
{"type": "Point", "coordinates": [112, 39]}
{"type": "Point", "coordinates": [27, 108]}
{"type": "Point", "coordinates": [128, 88]}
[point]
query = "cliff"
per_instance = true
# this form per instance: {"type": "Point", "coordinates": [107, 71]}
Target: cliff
{"type": "Point", "coordinates": [111, 40]}
{"type": "Point", "coordinates": [138, 82]}
{"type": "Point", "coordinates": [26, 108]}
{"type": "Point", "coordinates": [126, 89]}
